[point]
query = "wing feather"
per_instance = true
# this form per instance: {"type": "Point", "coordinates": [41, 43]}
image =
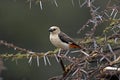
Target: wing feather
{"type": "Point", "coordinates": [65, 38]}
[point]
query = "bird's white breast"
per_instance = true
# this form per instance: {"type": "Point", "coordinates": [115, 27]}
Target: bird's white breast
{"type": "Point", "coordinates": [55, 40]}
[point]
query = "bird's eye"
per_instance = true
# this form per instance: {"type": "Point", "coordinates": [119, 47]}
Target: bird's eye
{"type": "Point", "coordinates": [54, 29]}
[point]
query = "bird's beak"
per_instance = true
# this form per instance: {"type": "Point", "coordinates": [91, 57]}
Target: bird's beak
{"type": "Point", "coordinates": [50, 30]}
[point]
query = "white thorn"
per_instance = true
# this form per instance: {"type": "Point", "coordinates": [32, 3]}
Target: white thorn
{"type": "Point", "coordinates": [67, 52]}
{"type": "Point", "coordinates": [75, 72]}
{"type": "Point", "coordinates": [111, 68]}
{"type": "Point", "coordinates": [38, 61]}
{"type": "Point", "coordinates": [81, 52]}
{"type": "Point", "coordinates": [48, 60]}
{"type": "Point", "coordinates": [115, 14]}
{"type": "Point", "coordinates": [40, 3]}
{"type": "Point", "coordinates": [45, 62]}
{"type": "Point", "coordinates": [89, 3]}
{"type": "Point", "coordinates": [83, 3]}
{"type": "Point", "coordinates": [59, 52]}
{"type": "Point", "coordinates": [79, 3]}
{"type": "Point", "coordinates": [56, 58]}
{"type": "Point", "coordinates": [73, 3]}
{"type": "Point", "coordinates": [102, 58]}
{"type": "Point", "coordinates": [110, 48]}
{"type": "Point", "coordinates": [84, 53]}
{"type": "Point", "coordinates": [106, 14]}
{"type": "Point", "coordinates": [30, 4]}
{"type": "Point", "coordinates": [116, 40]}
{"type": "Point", "coordinates": [30, 60]}
{"type": "Point", "coordinates": [55, 3]}
{"type": "Point", "coordinates": [112, 12]}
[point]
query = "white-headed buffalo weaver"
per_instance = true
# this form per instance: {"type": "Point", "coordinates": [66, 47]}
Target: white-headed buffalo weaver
{"type": "Point", "coordinates": [61, 40]}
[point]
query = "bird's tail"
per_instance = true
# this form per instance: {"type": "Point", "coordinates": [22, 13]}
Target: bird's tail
{"type": "Point", "coordinates": [73, 45]}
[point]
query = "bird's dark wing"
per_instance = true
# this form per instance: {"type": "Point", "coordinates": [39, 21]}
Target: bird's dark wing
{"type": "Point", "coordinates": [65, 38]}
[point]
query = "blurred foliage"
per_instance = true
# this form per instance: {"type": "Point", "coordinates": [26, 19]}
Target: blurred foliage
{"type": "Point", "coordinates": [25, 23]}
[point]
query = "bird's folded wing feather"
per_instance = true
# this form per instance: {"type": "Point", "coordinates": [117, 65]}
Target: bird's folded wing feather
{"type": "Point", "coordinates": [65, 38]}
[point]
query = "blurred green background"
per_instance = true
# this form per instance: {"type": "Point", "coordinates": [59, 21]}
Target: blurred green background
{"type": "Point", "coordinates": [28, 28]}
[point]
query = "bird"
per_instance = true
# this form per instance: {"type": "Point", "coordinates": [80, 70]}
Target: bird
{"type": "Point", "coordinates": [61, 40]}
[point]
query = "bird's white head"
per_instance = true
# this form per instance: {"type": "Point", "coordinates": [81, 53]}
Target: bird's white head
{"type": "Point", "coordinates": [54, 30]}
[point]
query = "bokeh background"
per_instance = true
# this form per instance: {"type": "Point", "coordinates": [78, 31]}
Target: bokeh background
{"type": "Point", "coordinates": [28, 28]}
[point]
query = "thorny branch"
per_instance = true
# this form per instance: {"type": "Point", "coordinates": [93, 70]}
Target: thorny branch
{"type": "Point", "coordinates": [77, 65]}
